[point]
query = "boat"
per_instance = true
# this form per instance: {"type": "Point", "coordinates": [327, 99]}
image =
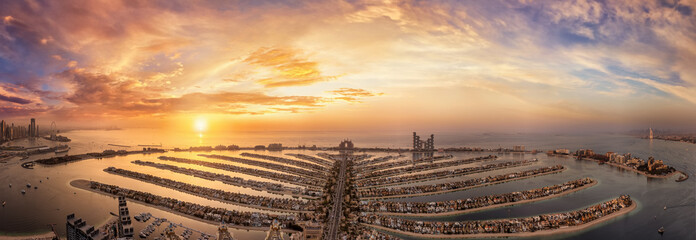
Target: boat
{"type": "Point", "coordinates": [28, 165]}
{"type": "Point", "coordinates": [10, 185]}
{"type": "Point", "coordinates": [661, 230]}
{"type": "Point", "coordinates": [23, 192]}
{"type": "Point", "coordinates": [682, 178]}
{"type": "Point", "coordinates": [3, 203]}
{"type": "Point", "coordinates": [28, 185]}
{"type": "Point", "coordinates": [665, 208]}
{"type": "Point", "coordinates": [64, 150]}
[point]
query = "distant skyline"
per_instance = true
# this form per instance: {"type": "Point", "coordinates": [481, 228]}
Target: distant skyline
{"type": "Point", "coordinates": [433, 66]}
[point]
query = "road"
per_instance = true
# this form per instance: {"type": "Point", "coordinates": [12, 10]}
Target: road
{"type": "Point", "coordinates": [336, 211]}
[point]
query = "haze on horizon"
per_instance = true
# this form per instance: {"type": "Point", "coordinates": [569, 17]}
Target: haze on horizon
{"type": "Point", "coordinates": [350, 65]}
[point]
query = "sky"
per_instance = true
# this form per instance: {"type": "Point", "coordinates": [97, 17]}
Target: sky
{"type": "Point", "coordinates": [523, 66]}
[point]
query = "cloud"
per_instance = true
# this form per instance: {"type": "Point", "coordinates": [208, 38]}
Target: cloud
{"type": "Point", "coordinates": [100, 89]}
{"type": "Point", "coordinates": [121, 96]}
{"type": "Point", "coordinates": [7, 19]}
{"type": "Point", "coordinates": [18, 111]}
{"type": "Point", "coordinates": [116, 59]}
{"type": "Point", "coordinates": [288, 67]}
{"type": "Point", "coordinates": [14, 99]}
{"type": "Point", "coordinates": [353, 94]}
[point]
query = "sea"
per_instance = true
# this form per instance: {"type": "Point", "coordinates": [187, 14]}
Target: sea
{"type": "Point", "coordinates": [47, 206]}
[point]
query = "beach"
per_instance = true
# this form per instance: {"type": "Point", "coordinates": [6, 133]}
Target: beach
{"type": "Point", "coordinates": [487, 207]}
{"type": "Point", "coordinates": [444, 177]}
{"type": "Point", "coordinates": [40, 236]}
{"type": "Point", "coordinates": [459, 189]}
{"type": "Point", "coordinates": [522, 234]}
{"type": "Point", "coordinates": [85, 185]}
{"type": "Point", "coordinates": [636, 170]}
{"type": "Point", "coordinates": [219, 199]}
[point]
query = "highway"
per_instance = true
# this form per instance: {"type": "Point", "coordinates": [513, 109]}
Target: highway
{"type": "Point", "coordinates": [336, 211]}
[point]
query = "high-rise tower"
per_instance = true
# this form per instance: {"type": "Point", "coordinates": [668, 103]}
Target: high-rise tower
{"type": "Point", "coordinates": [32, 128]}
{"type": "Point", "coordinates": [419, 145]}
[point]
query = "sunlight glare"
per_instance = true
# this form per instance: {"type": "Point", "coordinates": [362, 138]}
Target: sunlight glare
{"type": "Point", "coordinates": [200, 124]}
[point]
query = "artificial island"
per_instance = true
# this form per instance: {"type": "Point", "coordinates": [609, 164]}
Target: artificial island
{"type": "Point", "coordinates": [346, 192]}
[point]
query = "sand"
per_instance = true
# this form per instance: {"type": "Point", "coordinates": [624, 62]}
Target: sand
{"type": "Point", "coordinates": [508, 235]}
{"type": "Point", "coordinates": [84, 184]}
{"type": "Point", "coordinates": [634, 170]}
{"type": "Point", "coordinates": [490, 206]}
{"type": "Point", "coordinates": [217, 199]}
{"type": "Point", "coordinates": [48, 236]}
{"type": "Point", "coordinates": [444, 177]}
{"type": "Point", "coordinates": [458, 189]}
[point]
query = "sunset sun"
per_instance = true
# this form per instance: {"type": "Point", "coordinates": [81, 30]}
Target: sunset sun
{"type": "Point", "coordinates": [200, 124]}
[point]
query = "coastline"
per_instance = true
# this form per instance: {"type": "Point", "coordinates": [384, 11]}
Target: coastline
{"type": "Point", "coordinates": [67, 159]}
{"type": "Point", "coordinates": [636, 170]}
{"type": "Point", "coordinates": [445, 177]}
{"type": "Point", "coordinates": [290, 193]}
{"type": "Point", "coordinates": [484, 159]}
{"type": "Point", "coordinates": [216, 199]}
{"type": "Point", "coordinates": [508, 235]}
{"type": "Point", "coordinates": [458, 212]}
{"type": "Point", "coordinates": [459, 189]}
{"type": "Point", "coordinates": [84, 185]}
{"type": "Point", "coordinates": [39, 236]}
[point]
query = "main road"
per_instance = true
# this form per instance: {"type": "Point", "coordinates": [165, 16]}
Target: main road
{"type": "Point", "coordinates": [336, 211]}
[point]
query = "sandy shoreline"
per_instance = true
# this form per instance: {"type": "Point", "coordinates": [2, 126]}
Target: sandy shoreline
{"type": "Point", "coordinates": [48, 235]}
{"type": "Point", "coordinates": [508, 235]}
{"type": "Point", "coordinates": [458, 189]}
{"type": "Point", "coordinates": [290, 193]}
{"type": "Point", "coordinates": [594, 182]}
{"type": "Point", "coordinates": [636, 170]}
{"type": "Point", "coordinates": [423, 170]}
{"type": "Point", "coordinates": [217, 199]}
{"type": "Point", "coordinates": [445, 177]}
{"type": "Point", "coordinates": [84, 185]}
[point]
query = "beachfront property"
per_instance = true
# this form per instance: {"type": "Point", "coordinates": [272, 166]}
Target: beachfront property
{"type": "Point", "coordinates": [343, 193]}
{"type": "Point", "coordinates": [78, 229]}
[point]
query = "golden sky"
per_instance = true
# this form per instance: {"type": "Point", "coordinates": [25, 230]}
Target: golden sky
{"type": "Point", "coordinates": [350, 65]}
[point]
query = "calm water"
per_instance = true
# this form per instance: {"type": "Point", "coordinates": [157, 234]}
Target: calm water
{"type": "Point", "coordinates": [55, 198]}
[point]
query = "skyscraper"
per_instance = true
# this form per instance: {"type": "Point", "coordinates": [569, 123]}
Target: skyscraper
{"type": "Point", "coordinates": [32, 128]}
{"type": "Point", "coordinates": [77, 229]}
{"type": "Point", "coordinates": [2, 130]}
{"type": "Point", "coordinates": [125, 226]}
{"type": "Point", "coordinates": [419, 145]}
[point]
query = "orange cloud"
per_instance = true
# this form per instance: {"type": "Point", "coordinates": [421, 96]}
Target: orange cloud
{"type": "Point", "coordinates": [289, 68]}
{"type": "Point", "coordinates": [353, 94]}
{"type": "Point", "coordinates": [7, 19]}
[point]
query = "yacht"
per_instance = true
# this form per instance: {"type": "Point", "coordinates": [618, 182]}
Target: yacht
{"type": "Point", "coordinates": [62, 150]}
